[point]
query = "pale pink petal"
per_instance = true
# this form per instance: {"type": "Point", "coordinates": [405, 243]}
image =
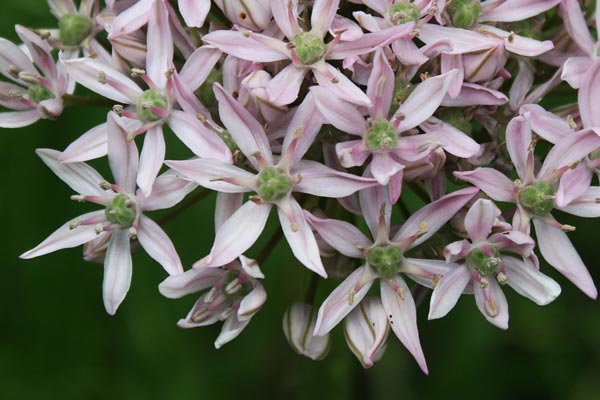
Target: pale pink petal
{"type": "Point", "coordinates": [352, 153]}
{"type": "Point", "coordinates": [248, 134]}
{"type": "Point", "coordinates": [103, 79]}
{"type": "Point", "coordinates": [341, 235]}
{"type": "Point", "coordinates": [454, 141]}
{"type": "Point", "coordinates": [462, 40]}
{"type": "Point", "coordinates": [345, 28]}
{"type": "Point", "coordinates": [285, 14]}
{"type": "Point", "coordinates": [576, 25]}
{"type": "Point", "coordinates": [252, 302]}
{"type": "Point", "coordinates": [239, 233]}
{"type": "Point", "coordinates": [472, 94]}
{"type": "Point", "coordinates": [159, 57]}
{"type": "Point", "coordinates": [366, 329]}
{"type": "Point", "coordinates": [65, 237]}
{"type": "Point", "coordinates": [158, 245]}
{"type": "Point", "coordinates": [371, 202]}
{"type": "Point", "coordinates": [589, 96]}
{"type": "Point", "coordinates": [320, 180]}
{"type": "Point", "coordinates": [369, 42]}
{"type": "Point", "coordinates": [117, 270]}
{"type": "Point", "coordinates": [423, 101]}
{"type": "Point", "coordinates": [339, 113]}
{"type": "Point", "coordinates": [132, 18]}
{"type": "Point", "coordinates": [518, 44]}
{"type": "Point", "coordinates": [201, 140]}
{"type": "Point", "coordinates": [518, 142]}
{"type": "Point", "coordinates": [491, 181]}
{"type": "Point", "coordinates": [448, 290]}
{"type": "Point", "coordinates": [80, 177]}
{"type": "Point", "coordinates": [380, 87]}
{"type": "Point", "coordinates": [529, 282]}
{"type": "Point", "coordinates": [569, 151]}
{"type": "Point", "coordinates": [190, 281]}
{"type": "Point", "coordinates": [407, 52]}
{"type": "Point", "coordinates": [19, 119]}
{"type": "Point", "coordinates": [383, 168]}
{"type": "Point", "coordinates": [400, 308]}
{"type": "Point", "coordinates": [322, 15]}
{"type": "Point", "coordinates": [549, 126]}
{"type": "Point", "coordinates": [283, 89]}
{"type": "Point", "coordinates": [573, 183]}
{"type": "Point", "coordinates": [11, 54]}
{"type": "Point", "coordinates": [123, 156]}
{"type": "Point", "coordinates": [214, 174]}
{"type": "Point", "coordinates": [151, 159]}
{"type": "Point", "coordinates": [521, 85]}
{"type": "Point", "coordinates": [198, 66]}
{"type": "Point", "coordinates": [299, 235]}
{"type": "Point", "coordinates": [516, 10]}
{"type": "Point", "coordinates": [574, 70]}
{"type": "Point", "coordinates": [480, 219]}
{"type": "Point", "coordinates": [333, 80]}
{"type": "Point", "coordinates": [343, 299]}
{"type": "Point", "coordinates": [587, 206]}
{"type": "Point", "coordinates": [303, 128]}
{"type": "Point", "coordinates": [59, 8]}
{"type": "Point", "coordinates": [491, 301]}
{"type": "Point", "coordinates": [247, 47]}
{"type": "Point", "coordinates": [194, 12]}
{"type": "Point", "coordinates": [92, 144]}
{"type": "Point", "coordinates": [557, 249]}
{"type": "Point", "coordinates": [434, 215]}
{"type": "Point", "coordinates": [167, 191]}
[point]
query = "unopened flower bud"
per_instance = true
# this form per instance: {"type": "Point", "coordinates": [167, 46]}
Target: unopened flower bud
{"type": "Point", "coordinates": [464, 13]}
{"type": "Point", "coordinates": [298, 326]}
{"type": "Point", "coordinates": [366, 329]}
{"type": "Point", "coordinates": [74, 29]}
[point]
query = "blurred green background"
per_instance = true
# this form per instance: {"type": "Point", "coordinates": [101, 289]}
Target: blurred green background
{"type": "Point", "coordinates": [57, 342]}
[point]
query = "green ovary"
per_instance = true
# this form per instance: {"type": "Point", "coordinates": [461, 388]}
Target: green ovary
{"type": "Point", "coordinates": [120, 211]}
{"type": "Point", "coordinates": [148, 99]}
{"type": "Point", "coordinates": [535, 198]}
{"type": "Point", "coordinates": [273, 184]}
{"type": "Point", "coordinates": [309, 48]}
{"type": "Point", "coordinates": [401, 13]}
{"type": "Point", "coordinates": [482, 262]}
{"type": "Point", "coordinates": [38, 93]}
{"type": "Point", "coordinates": [73, 29]}
{"type": "Point", "coordinates": [464, 13]}
{"type": "Point", "coordinates": [381, 135]}
{"type": "Point", "coordinates": [385, 260]}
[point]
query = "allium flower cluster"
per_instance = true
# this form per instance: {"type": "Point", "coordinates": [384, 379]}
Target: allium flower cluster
{"type": "Point", "coordinates": [399, 142]}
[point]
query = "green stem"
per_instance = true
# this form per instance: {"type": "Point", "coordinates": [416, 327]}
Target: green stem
{"type": "Point", "coordinates": [309, 298]}
{"type": "Point", "coordinates": [74, 100]}
{"type": "Point", "coordinates": [419, 191]}
{"type": "Point", "coordinates": [266, 251]}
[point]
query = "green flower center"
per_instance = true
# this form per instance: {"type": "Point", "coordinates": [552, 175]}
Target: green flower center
{"type": "Point", "coordinates": [273, 184]}
{"type": "Point", "coordinates": [401, 13]}
{"type": "Point", "coordinates": [38, 93]}
{"type": "Point", "coordinates": [535, 198]}
{"type": "Point", "coordinates": [482, 262]}
{"type": "Point", "coordinates": [309, 48]}
{"type": "Point", "coordinates": [464, 13]}
{"type": "Point", "coordinates": [120, 211]}
{"type": "Point", "coordinates": [149, 99]}
{"type": "Point", "coordinates": [385, 260]}
{"type": "Point", "coordinates": [74, 29]}
{"type": "Point", "coordinates": [381, 135]}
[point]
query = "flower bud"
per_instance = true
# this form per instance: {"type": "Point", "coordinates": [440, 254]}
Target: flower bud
{"type": "Point", "coordinates": [298, 326]}
{"type": "Point", "coordinates": [74, 29]}
{"type": "Point", "coordinates": [366, 329]}
{"type": "Point", "coordinates": [464, 13]}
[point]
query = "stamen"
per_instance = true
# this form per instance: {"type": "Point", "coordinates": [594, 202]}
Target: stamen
{"type": "Point", "coordinates": [132, 232]}
{"type": "Point", "coordinates": [351, 295]}
{"type": "Point", "coordinates": [501, 278]}
{"type": "Point", "coordinates": [102, 77]}
{"type": "Point", "coordinates": [483, 283]}
{"type": "Point", "coordinates": [137, 72]}
{"type": "Point", "coordinates": [571, 122]}
{"type": "Point", "coordinates": [78, 197]}
{"type": "Point", "coordinates": [210, 296]}
{"type": "Point", "coordinates": [99, 228]}
{"type": "Point", "coordinates": [490, 308]}
{"type": "Point", "coordinates": [74, 224]}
